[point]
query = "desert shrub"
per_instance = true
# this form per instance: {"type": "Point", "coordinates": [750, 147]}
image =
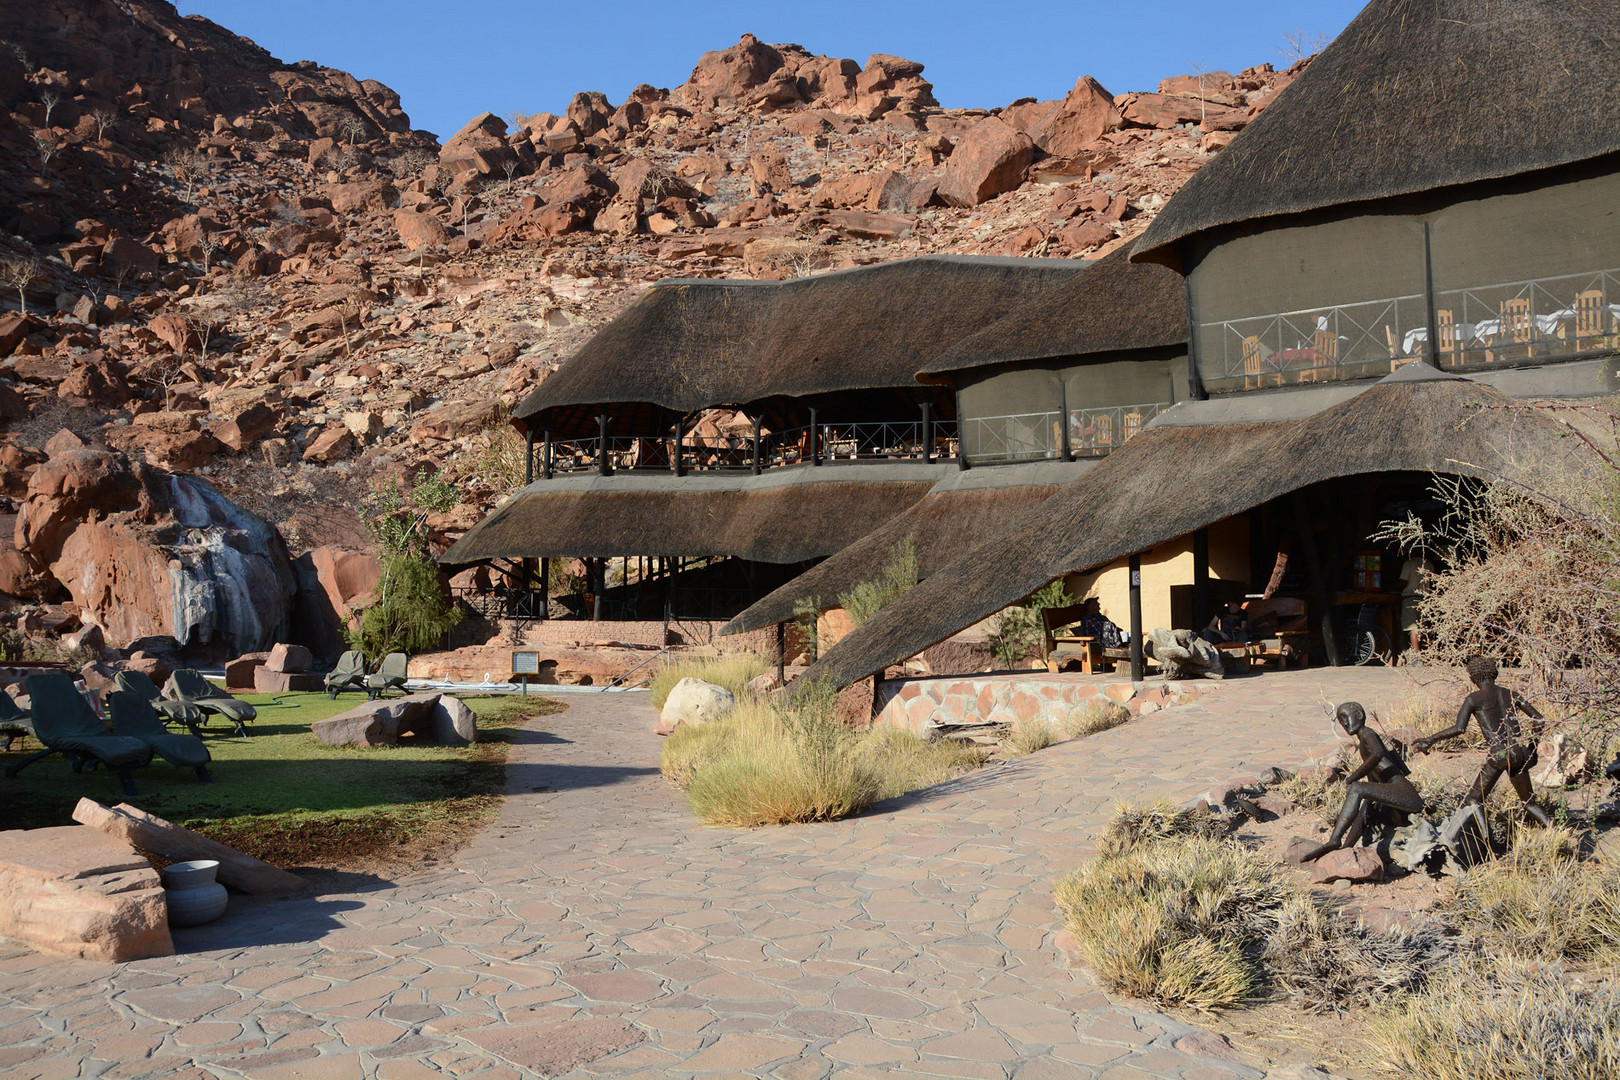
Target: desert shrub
{"type": "Point", "coordinates": [807, 613]}
{"type": "Point", "coordinates": [13, 647]}
{"type": "Point", "coordinates": [1532, 571]}
{"type": "Point", "coordinates": [898, 576]}
{"type": "Point", "coordinates": [1098, 714]}
{"type": "Point", "coordinates": [1177, 922]}
{"type": "Point", "coordinates": [1028, 737]}
{"type": "Point", "coordinates": [1540, 901]}
{"type": "Point", "coordinates": [1515, 1021]}
{"type": "Point", "coordinates": [412, 613]}
{"type": "Point", "coordinates": [733, 670]}
{"type": "Point", "coordinates": [784, 762]}
{"type": "Point", "coordinates": [1317, 791]}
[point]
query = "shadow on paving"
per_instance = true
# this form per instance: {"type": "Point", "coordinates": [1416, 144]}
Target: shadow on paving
{"type": "Point", "coordinates": [561, 777]}
{"type": "Point", "coordinates": [252, 921]}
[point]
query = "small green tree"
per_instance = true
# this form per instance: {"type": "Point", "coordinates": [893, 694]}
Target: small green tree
{"type": "Point", "coordinates": [1018, 629]}
{"type": "Point", "coordinates": [412, 613]}
{"type": "Point", "coordinates": [899, 574]}
{"type": "Point", "coordinates": [806, 612]}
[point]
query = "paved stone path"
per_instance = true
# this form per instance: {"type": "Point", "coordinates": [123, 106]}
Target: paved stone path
{"type": "Point", "coordinates": [598, 930]}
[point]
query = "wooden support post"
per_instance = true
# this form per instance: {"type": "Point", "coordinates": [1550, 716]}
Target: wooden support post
{"type": "Point", "coordinates": [781, 653]}
{"type": "Point", "coordinates": [928, 432]}
{"type": "Point", "coordinates": [961, 433]}
{"type": "Point", "coordinates": [1063, 421]}
{"type": "Point", "coordinates": [545, 589]}
{"type": "Point", "coordinates": [600, 584]}
{"type": "Point", "coordinates": [602, 465]}
{"type": "Point", "coordinates": [1138, 668]}
{"type": "Point", "coordinates": [1319, 585]}
{"type": "Point", "coordinates": [675, 458]}
{"type": "Point", "coordinates": [756, 446]}
{"type": "Point", "coordinates": [528, 455]}
{"type": "Point", "coordinates": [1201, 614]}
{"type": "Point", "coordinates": [815, 440]}
{"type": "Point", "coordinates": [548, 471]}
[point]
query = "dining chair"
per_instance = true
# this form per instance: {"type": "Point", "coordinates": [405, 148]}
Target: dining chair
{"type": "Point", "coordinates": [1252, 363]}
{"type": "Point", "coordinates": [1591, 318]}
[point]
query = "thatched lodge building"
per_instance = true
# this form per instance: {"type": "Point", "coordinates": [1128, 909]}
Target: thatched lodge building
{"type": "Point", "coordinates": [1420, 233]}
{"type": "Point", "coordinates": [828, 432]}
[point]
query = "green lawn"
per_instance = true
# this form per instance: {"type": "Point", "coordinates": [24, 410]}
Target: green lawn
{"type": "Point", "coordinates": [282, 795]}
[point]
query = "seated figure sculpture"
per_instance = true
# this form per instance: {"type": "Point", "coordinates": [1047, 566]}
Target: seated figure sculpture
{"type": "Point", "coordinates": [1381, 780]}
{"type": "Point", "coordinates": [1510, 751]}
{"type": "Point", "coordinates": [1181, 654]}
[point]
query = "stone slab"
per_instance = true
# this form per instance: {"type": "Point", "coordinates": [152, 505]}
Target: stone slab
{"type": "Point", "coordinates": [73, 891]}
{"type": "Point", "coordinates": [266, 681]}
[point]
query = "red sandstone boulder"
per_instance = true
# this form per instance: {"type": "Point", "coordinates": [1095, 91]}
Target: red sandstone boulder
{"type": "Point", "coordinates": [1348, 864]}
{"type": "Point", "coordinates": [151, 666]}
{"type": "Point", "coordinates": [418, 230]}
{"type": "Point", "coordinates": [1161, 111]}
{"type": "Point", "coordinates": [479, 146]}
{"type": "Point", "coordinates": [239, 672]}
{"type": "Point", "coordinates": [289, 659]}
{"type": "Point", "coordinates": [73, 891]}
{"type": "Point", "coordinates": [246, 428]}
{"type": "Point", "coordinates": [726, 75]}
{"type": "Point", "coordinates": [1079, 120]}
{"type": "Point", "coordinates": [988, 161]}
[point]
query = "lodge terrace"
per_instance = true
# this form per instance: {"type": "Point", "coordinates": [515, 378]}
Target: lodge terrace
{"type": "Point", "coordinates": [1372, 290]}
{"type": "Point", "coordinates": [830, 430]}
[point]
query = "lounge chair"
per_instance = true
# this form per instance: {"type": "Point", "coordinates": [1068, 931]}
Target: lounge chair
{"type": "Point", "coordinates": [65, 723]}
{"type": "Point", "coordinates": [187, 685]}
{"type": "Point", "coordinates": [173, 712]}
{"type": "Point", "coordinates": [350, 674]}
{"type": "Point", "coordinates": [390, 675]}
{"type": "Point", "coordinates": [134, 716]}
{"type": "Point", "coordinates": [14, 723]}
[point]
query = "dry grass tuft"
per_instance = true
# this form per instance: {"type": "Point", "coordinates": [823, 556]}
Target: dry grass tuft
{"type": "Point", "coordinates": [1176, 922]}
{"type": "Point", "coordinates": [1324, 964]}
{"type": "Point", "coordinates": [1097, 715]}
{"type": "Point", "coordinates": [906, 762]}
{"type": "Point", "coordinates": [730, 670]}
{"type": "Point", "coordinates": [1505, 1020]}
{"type": "Point", "coordinates": [1028, 737]}
{"type": "Point", "coordinates": [1541, 901]}
{"type": "Point", "coordinates": [1161, 819]}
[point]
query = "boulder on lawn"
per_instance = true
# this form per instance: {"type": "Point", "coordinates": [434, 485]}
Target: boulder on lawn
{"type": "Point", "coordinates": [380, 722]}
{"type": "Point", "coordinates": [290, 659]}
{"type": "Point", "coordinates": [694, 701]}
{"type": "Point", "coordinates": [266, 681]}
{"type": "Point", "coordinates": [239, 672]}
{"type": "Point", "coordinates": [453, 722]}
{"type": "Point", "coordinates": [153, 667]}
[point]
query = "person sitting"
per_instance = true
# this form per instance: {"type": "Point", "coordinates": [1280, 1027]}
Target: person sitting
{"type": "Point", "coordinates": [1510, 751]}
{"type": "Point", "coordinates": [1094, 624]}
{"type": "Point", "coordinates": [1380, 781]}
{"type": "Point", "coordinates": [1229, 625]}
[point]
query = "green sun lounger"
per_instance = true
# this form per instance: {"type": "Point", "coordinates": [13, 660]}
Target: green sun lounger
{"type": "Point", "coordinates": [172, 712]}
{"type": "Point", "coordinates": [350, 674]}
{"type": "Point", "coordinates": [66, 724]}
{"type": "Point", "coordinates": [186, 685]}
{"type": "Point", "coordinates": [390, 675]}
{"type": "Point", "coordinates": [134, 716]}
{"type": "Point", "coordinates": [14, 723]}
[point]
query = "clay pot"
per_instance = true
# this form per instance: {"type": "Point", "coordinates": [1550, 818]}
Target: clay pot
{"type": "Point", "coordinates": [194, 896]}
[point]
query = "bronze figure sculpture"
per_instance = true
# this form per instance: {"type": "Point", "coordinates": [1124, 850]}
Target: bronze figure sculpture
{"type": "Point", "coordinates": [1510, 752]}
{"type": "Point", "coordinates": [1380, 781]}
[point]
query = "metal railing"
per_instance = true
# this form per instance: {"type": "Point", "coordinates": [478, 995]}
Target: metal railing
{"type": "Point", "coordinates": [1039, 435]}
{"type": "Point", "coordinates": [1539, 319]}
{"type": "Point", "coordinates": [498, 603]}
{"type": "Point", "coordinates": [832, 443]}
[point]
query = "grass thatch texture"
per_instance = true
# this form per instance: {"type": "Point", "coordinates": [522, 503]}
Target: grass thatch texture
{"type": "Point", "coordinates": [1176, 922]}
{"type": "Point", "coordinates": [1541, 901]}
{"type": "Point", "coordinates": [772, 762]}
{"type": "Point", "coordinates": [1508, 1021]}
{"type": "Point", "coordinates": [731, 670]}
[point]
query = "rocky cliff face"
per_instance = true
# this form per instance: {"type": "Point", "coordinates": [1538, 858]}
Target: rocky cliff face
{"type": "Point", "coordinates": [251, 289]}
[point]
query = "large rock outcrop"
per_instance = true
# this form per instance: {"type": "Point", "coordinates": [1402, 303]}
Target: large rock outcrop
{"type": "Point", "coordinates": [148, 553]}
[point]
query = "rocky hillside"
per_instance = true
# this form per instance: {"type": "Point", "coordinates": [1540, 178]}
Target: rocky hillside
{"type": "Point", "coordinates": [252, 290]}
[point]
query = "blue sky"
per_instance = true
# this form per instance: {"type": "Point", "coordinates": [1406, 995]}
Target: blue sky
{"type": "Point", "coordinates": [451, 61]}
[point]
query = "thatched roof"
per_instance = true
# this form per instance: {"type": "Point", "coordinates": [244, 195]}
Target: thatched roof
{"type": "Point", "coordinates": [761, 519]}
{"type": "Point", "coordinates": [688, 345]}
{"type": "Point", "coordinates": [952, 518]}
{"type": "Point", "coordinates": [1413, 96]}
{"type": "Point", "coordinates": [1115, 306]}
{"type": "Point", "coordinates": [1169, 481]}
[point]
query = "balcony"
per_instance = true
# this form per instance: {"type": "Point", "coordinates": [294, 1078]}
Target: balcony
{"type": "Point", "coordinates": [822, 444]}
{"type": "Point", "coordinates": [1504, 324]}
{"type": "Point", "coordinates": [994, 440]}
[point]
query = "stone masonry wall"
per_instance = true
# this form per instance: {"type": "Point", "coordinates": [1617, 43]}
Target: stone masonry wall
{"type": "Point", "coordinates": [920, 704]}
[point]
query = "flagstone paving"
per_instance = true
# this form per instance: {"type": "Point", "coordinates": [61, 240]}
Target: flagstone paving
{"type": "Point", "coordinates": [597, 930]}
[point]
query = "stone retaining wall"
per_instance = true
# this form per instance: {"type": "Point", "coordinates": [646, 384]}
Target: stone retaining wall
{"type": "Point", "coordinates": [570, 632]}
{"type": "Point", "coordinates": [920, 704]}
